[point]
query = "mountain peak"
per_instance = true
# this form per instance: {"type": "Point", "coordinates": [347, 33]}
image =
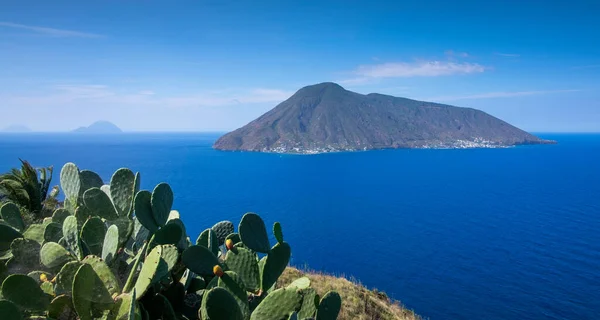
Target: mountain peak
{"type": "Point", "coordinates": [326, 117]}
{"type": "Point", "coordinates": [99, 127]}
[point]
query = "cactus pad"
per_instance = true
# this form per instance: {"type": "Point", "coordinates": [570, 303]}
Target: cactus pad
{"type": "Point", "coordinates": [24, 292]}
{"type": "Point", "coordinates": [278, 305]}
{"type": "Point", "coordinates": [61, 307]}
{"type": "Point", "coordinates": [330, 306]}
{"type": "Point", "coordinates": [35, 232]}
{"type": "Point", "coordinates": [253, 233]}
{"type": "Point", "coordinates": [64, 278]}
{"type": "Point", "coordinates": [275, 263]}
{"type": "Point", "coordinates": [169, 234]}
{"type": "Point", "coordinates": [60, 215]}
{"type": "Point", "coordinates": [153, 270]}
{"type": "Point", "coordinates": [310, 303]}
{"type": "Point", "coordinates": [26, 256]}
{"type": "Point", "coordinates": [53, 232]}
{"type": "Point", "coordinates": [278, 232]}
{"type": "Point", "coordinates": [9, 311]}
{"type": "Point", "coordinates": [110, 244]}
{"type": "Point", "coordinates": [89, 179]}
{"type": "Point", "coordinates": [243, 262]}
{"type": "Point", "coordinates": [208, 239]}
{"type": "Point", "coordinates": [12, 215]}
{"type": "Point", "coordinates": [89, 292]}
{"type": "Point", "coordinates": [143, 211]}
{"type": "Point", "coordinates": [199, 260]}
{"type": "Point", "coordinates": [219, 304]}
{"type": "Point", "coordinates": [105, 274]}
{"type": "Point", "coordinates": [92, 234]}
{"type": "Point", "coordinates": [70, 182]}
{"type": "Point", "coordinates": [53, 255]}
{"type": "Point", "coordinates": [300, 283]}
{"type": "Point", "coordinates": [99, 204]}
{"type": "Point", "coordinates": [71, 236]}
{"type": "Point", "coordinates": [122, 190]}
{"type": "Point", "coordinates": [170, 255]}
{"type": "Point", "coordinates": [161, 201]}
{"type": "Point", "coordinates": [222, 230]}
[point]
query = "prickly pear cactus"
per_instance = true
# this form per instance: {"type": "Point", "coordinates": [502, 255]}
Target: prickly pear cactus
{"type": "Point", "coordinates": [115, 252]}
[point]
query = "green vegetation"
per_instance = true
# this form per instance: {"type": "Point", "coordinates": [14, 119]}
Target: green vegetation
{"type": "Point", "coordinates": [358, 302]}
{"type": "Point", "coordinates": [117, 252]}
{"type": "Point", "coordinates": [28, 190]}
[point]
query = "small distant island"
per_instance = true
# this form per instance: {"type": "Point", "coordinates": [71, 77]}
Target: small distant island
{"type": "Point", "coordinates": [328, 118]}
{"type": "Point", "coordinates": [17, 128]}
{"type": "Point", "coordinates": [99, 127]}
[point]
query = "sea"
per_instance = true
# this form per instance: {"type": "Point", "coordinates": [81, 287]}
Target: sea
{"type": "Point", "coordinates": [453, 234]}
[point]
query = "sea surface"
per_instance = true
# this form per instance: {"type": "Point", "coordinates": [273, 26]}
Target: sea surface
{"type": "Point", "coordinates": [454, 234]}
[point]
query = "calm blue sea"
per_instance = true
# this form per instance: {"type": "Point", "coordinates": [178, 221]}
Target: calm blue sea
{"type": "Point", "coordinates": [454, 234]}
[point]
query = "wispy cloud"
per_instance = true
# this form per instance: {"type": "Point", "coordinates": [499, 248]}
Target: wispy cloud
{"type": "Point", "coordinates": [453, 54]}
{"type": "Point", "coordinates": [94, 95]}
{"type": "Point", "coordinates": [499, 94]}
{"type": "Point", "coordinates": [52, 32]}
{"type": "Point", "coordinates": [367, 73]}
{"type": "Point", "coordinates": [510, 55]}
{"type": "Point", "coordinates": [591, 66]}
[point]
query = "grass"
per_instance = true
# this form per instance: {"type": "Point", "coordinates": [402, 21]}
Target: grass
{"type": "Point", "coordinates": [358, 302]}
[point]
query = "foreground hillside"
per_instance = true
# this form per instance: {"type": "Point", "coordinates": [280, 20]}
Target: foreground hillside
{"type": "Point", "coordinates": [358, 302]}
{"type": "Point", "coordinates": [326, 117]}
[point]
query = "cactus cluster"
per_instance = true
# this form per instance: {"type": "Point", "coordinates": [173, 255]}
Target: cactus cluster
{"type": "Point", "coordinates": [117, 252]}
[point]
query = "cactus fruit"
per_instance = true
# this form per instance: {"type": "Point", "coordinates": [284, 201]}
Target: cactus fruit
{"type": "Point", "coordinates": [229, 244]}
{"type": "Point", "coordinates": [70, 182]}
{"type": "Point", "coordinates": [234, 237]}
{"type": "Point", "coordinates": [253, 233]}
{"type": "Point", "coordinates": [219, 304]}
{"type": "Point", "coordinates": [9, 311]}
{"type": "Point", "coordinates": [277, 232]}
{"type": "Point", "coordinates": [218, 271]}
{"type": "Point", "coordinates": [161, 202]}
{"type": "Point", "coordinates": [275, 263]}
{"type": "Point", "coordinates": [222, 230]}
{"type": "Point", "coordinates": [143, 210]}
{"type": "Point", "coordinates": [100, 204]}
{"type": "Point", "coordinates": [92, 234]}
{"type": "Point", "coordinates": [53, 255]}
{"type": "Point", "coordinates": [25, 292]}
{"type": "Point", "coordinates": [12, 215]}
{"type": "Point", "coordinates": [122, 190]}
{"type": "Point", "coordinates": [330, 306]}
{"type": "Point", "coordinates": [278, 304]}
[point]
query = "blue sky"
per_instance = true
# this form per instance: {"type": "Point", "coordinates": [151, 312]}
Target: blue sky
{"type": "Point", "coordinates": [215, 65]}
